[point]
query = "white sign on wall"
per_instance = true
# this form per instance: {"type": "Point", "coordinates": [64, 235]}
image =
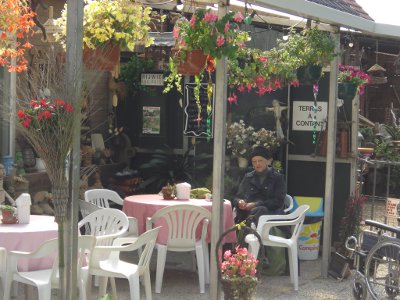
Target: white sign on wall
{"type": "Point", "coordinates": [303, 115]}
{"type": "Point", "coordinates": [152, 79]}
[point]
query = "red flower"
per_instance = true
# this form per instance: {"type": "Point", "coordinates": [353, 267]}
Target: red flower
{"type": "Point", "coordinates": [232, 99]}
{"type": "Point", "coordinates": [26, 123]}
{"type": "Point", "coordinates": [68, 107]}
{"type": "Point", "coordinates": [21, 114]}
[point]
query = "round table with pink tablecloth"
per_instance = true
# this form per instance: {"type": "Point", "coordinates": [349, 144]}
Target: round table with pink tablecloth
{"type": "Point", "coordinates": [27, 238]}
{"type": "Point", "coordinates": [143, 206]}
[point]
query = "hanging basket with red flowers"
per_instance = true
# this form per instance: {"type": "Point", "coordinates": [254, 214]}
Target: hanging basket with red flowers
{"type": "Point", "coordinates": [16, 26]}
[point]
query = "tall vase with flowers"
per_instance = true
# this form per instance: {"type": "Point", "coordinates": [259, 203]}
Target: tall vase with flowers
{"type": "Point", "coordinates": [16, 23]}
{"type": "Point", "coordinates": [351, 81]}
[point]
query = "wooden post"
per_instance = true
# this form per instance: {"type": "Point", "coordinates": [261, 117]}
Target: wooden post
{"type": "Point", "coordinates": [219, 162]}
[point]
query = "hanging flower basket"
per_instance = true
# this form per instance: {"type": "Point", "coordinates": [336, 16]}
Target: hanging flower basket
{"type": "Point", "coordinates": [346, 91]}
{"type": "Point", "coordinates": [102, 58]}
{"type": "Point", "coordinates": [309, 74]}
{"type": "Point", "coordinates": [239, 287]}
{"type": "Point", "coordinates": [193, 64]}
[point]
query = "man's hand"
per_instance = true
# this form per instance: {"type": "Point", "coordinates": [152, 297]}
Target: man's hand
{"type": "Point", "coordinates": [246, 206]}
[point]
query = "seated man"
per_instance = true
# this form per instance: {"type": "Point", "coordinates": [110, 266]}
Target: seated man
{"type": "Point", "coordinates": [262, 191]}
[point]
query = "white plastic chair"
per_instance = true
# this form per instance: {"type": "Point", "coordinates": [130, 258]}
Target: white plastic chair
{"type": "Point", "coordinates": [266, 222]}
{"type": "Point", "coordinates": [288, 203]}
{"type": "Point", "coordinates": [105, 224]}
{"type": "Point", "coordinates": [182, 222]}
{"type": "Point", "coordinates": [102, 197]}
{"type": "Point", "coordinates": [46, 279]}
{"type": "Point", "coordinates": [86, 208]}
{"type": "Point", "coordinates": [115, 267]}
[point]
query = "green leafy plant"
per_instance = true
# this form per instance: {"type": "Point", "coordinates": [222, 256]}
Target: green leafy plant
{"type": "Point", "coordinates": [384, 150]}
{"type": "Point", "coordinates": [166, 167]}
{"type": "Point", "coordinates": [6, 207]}
{"type": "Point", "coordinates": [123, 22]}
{"type": "Point", "coordinates": [131, 72]}
{"type": "Point", "coordinates": [393, 131]}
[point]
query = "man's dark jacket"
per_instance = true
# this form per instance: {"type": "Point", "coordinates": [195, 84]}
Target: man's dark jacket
{"type": "Point", "coordinates": [271, 193]}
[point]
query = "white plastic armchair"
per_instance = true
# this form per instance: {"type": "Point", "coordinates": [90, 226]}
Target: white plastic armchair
{"type": "Point", "coordinates": [182, 222]}
{"type": "Point", "coordinates": [106, 225]}
{"type": "Point", "coordinates": [46, 279]}
{"type": "Point", "coordinates": [288, 203]}
{"type": "Point", "coordinates": [102, 197]}
{"type": "Point", "coordinates": [115, 267]}
{"type": "Point", "coordinates": [295, 220]}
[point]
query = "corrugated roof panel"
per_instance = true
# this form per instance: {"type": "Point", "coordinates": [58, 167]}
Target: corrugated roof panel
{"type": "Point", "coordinates": [348, 6]}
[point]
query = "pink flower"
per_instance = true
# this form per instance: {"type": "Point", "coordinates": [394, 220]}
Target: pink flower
{"type": "Point", "coordinates": [210, 17]}
{"type": "Point", "coordinates": [240, 88]}
{"type": "Point", "coordinates": [263, 59]}
{"type": "Point", "coordinates": [220, 40]}
{"type": "Point", "coordinates": [248, 86]}
{"type": "Point", "coordinates": [259, 80]}
{"type": "Point", "coordinates": [238, 17]}
{"type": "Point", "coordinates": [232, 99]}
{"type": "Point", "coordinates": [227, 27]}
{"type": "Point", "coordinates": [175, 32]}
{"type": "Point", "coordinates": [295, 83]}
{"type": "Point", "coordinates": [262, 90]}
{"type": "Point", "coordinates": [193, 21]}
{"type": "Point", "coordinates": [278, 84]}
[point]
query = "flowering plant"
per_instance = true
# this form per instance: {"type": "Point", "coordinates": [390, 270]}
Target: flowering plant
{"type": "Point", "coordinates": [239, 139]}
{"type": "Point", "coordinates": [265, 138]}
{"type": "Point", "coordinates": [350, 75]}
{"type": "Point", "coordinates": [205, 31]}
{"type": "Point", "coordinates": [123, 22]}
{"type": "Point", "coordinates": [48, 126]}
{"type": "Point", "coordinates": [240, 264]}
{"type": "Point", "coordinates": [16, 19]}
{"type": "Point", "coordinates": [216, 37]}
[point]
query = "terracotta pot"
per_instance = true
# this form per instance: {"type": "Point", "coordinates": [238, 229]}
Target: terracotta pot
{"type": "Point", "coordinates": [8, 217]}
{"type": "Point", "coordinates": [194, 63]}
{"type": "Point", "coordinates": [346, 91]}
{"type": "Point", "coordinates": [102, 58]}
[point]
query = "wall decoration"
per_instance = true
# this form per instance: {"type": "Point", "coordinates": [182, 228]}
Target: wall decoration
{"type": "Point", "coordinates": [151, 120]}
{"type": "Point", "coordinates": [198, 115]}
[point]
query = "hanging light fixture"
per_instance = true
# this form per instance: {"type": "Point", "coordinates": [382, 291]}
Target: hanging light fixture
{"type": "Point", "coordinates": [179, 5]}
{"type": "Point", "coordinates": [376, 72]}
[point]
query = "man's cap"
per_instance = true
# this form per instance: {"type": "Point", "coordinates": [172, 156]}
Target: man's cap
{"type": "Point", "coordinates": [261, 151]}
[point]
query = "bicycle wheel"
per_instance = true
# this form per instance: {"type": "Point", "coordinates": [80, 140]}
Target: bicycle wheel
{"type": "Point", "coordinates": [382, 268]}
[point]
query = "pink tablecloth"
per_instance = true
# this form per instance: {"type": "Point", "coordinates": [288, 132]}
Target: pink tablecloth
{"type": "Point", "coordinates": [28, 237]}
{"type": "Point", "coordinates": [143, 206]}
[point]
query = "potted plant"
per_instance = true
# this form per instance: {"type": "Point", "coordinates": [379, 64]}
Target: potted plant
{"type": "Point", "coordinates": [109, 25]}
{"type": "Point", "coordinates": [239, 139]}
{"type": "Point", "coordinates": [8, 214]}
{"type": "Point", "coordinates": [17, 26]}
{"type": "Point", "coordinates": [351, 81]}
{"type": "Point", "coordinates": [254, 69]}
{"type": "Point", "coordinates": [265, 138]}
{"type": "Point", "coordinates": [210, 38]}
{"type": "Point", "coordinates": [307, 51]}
